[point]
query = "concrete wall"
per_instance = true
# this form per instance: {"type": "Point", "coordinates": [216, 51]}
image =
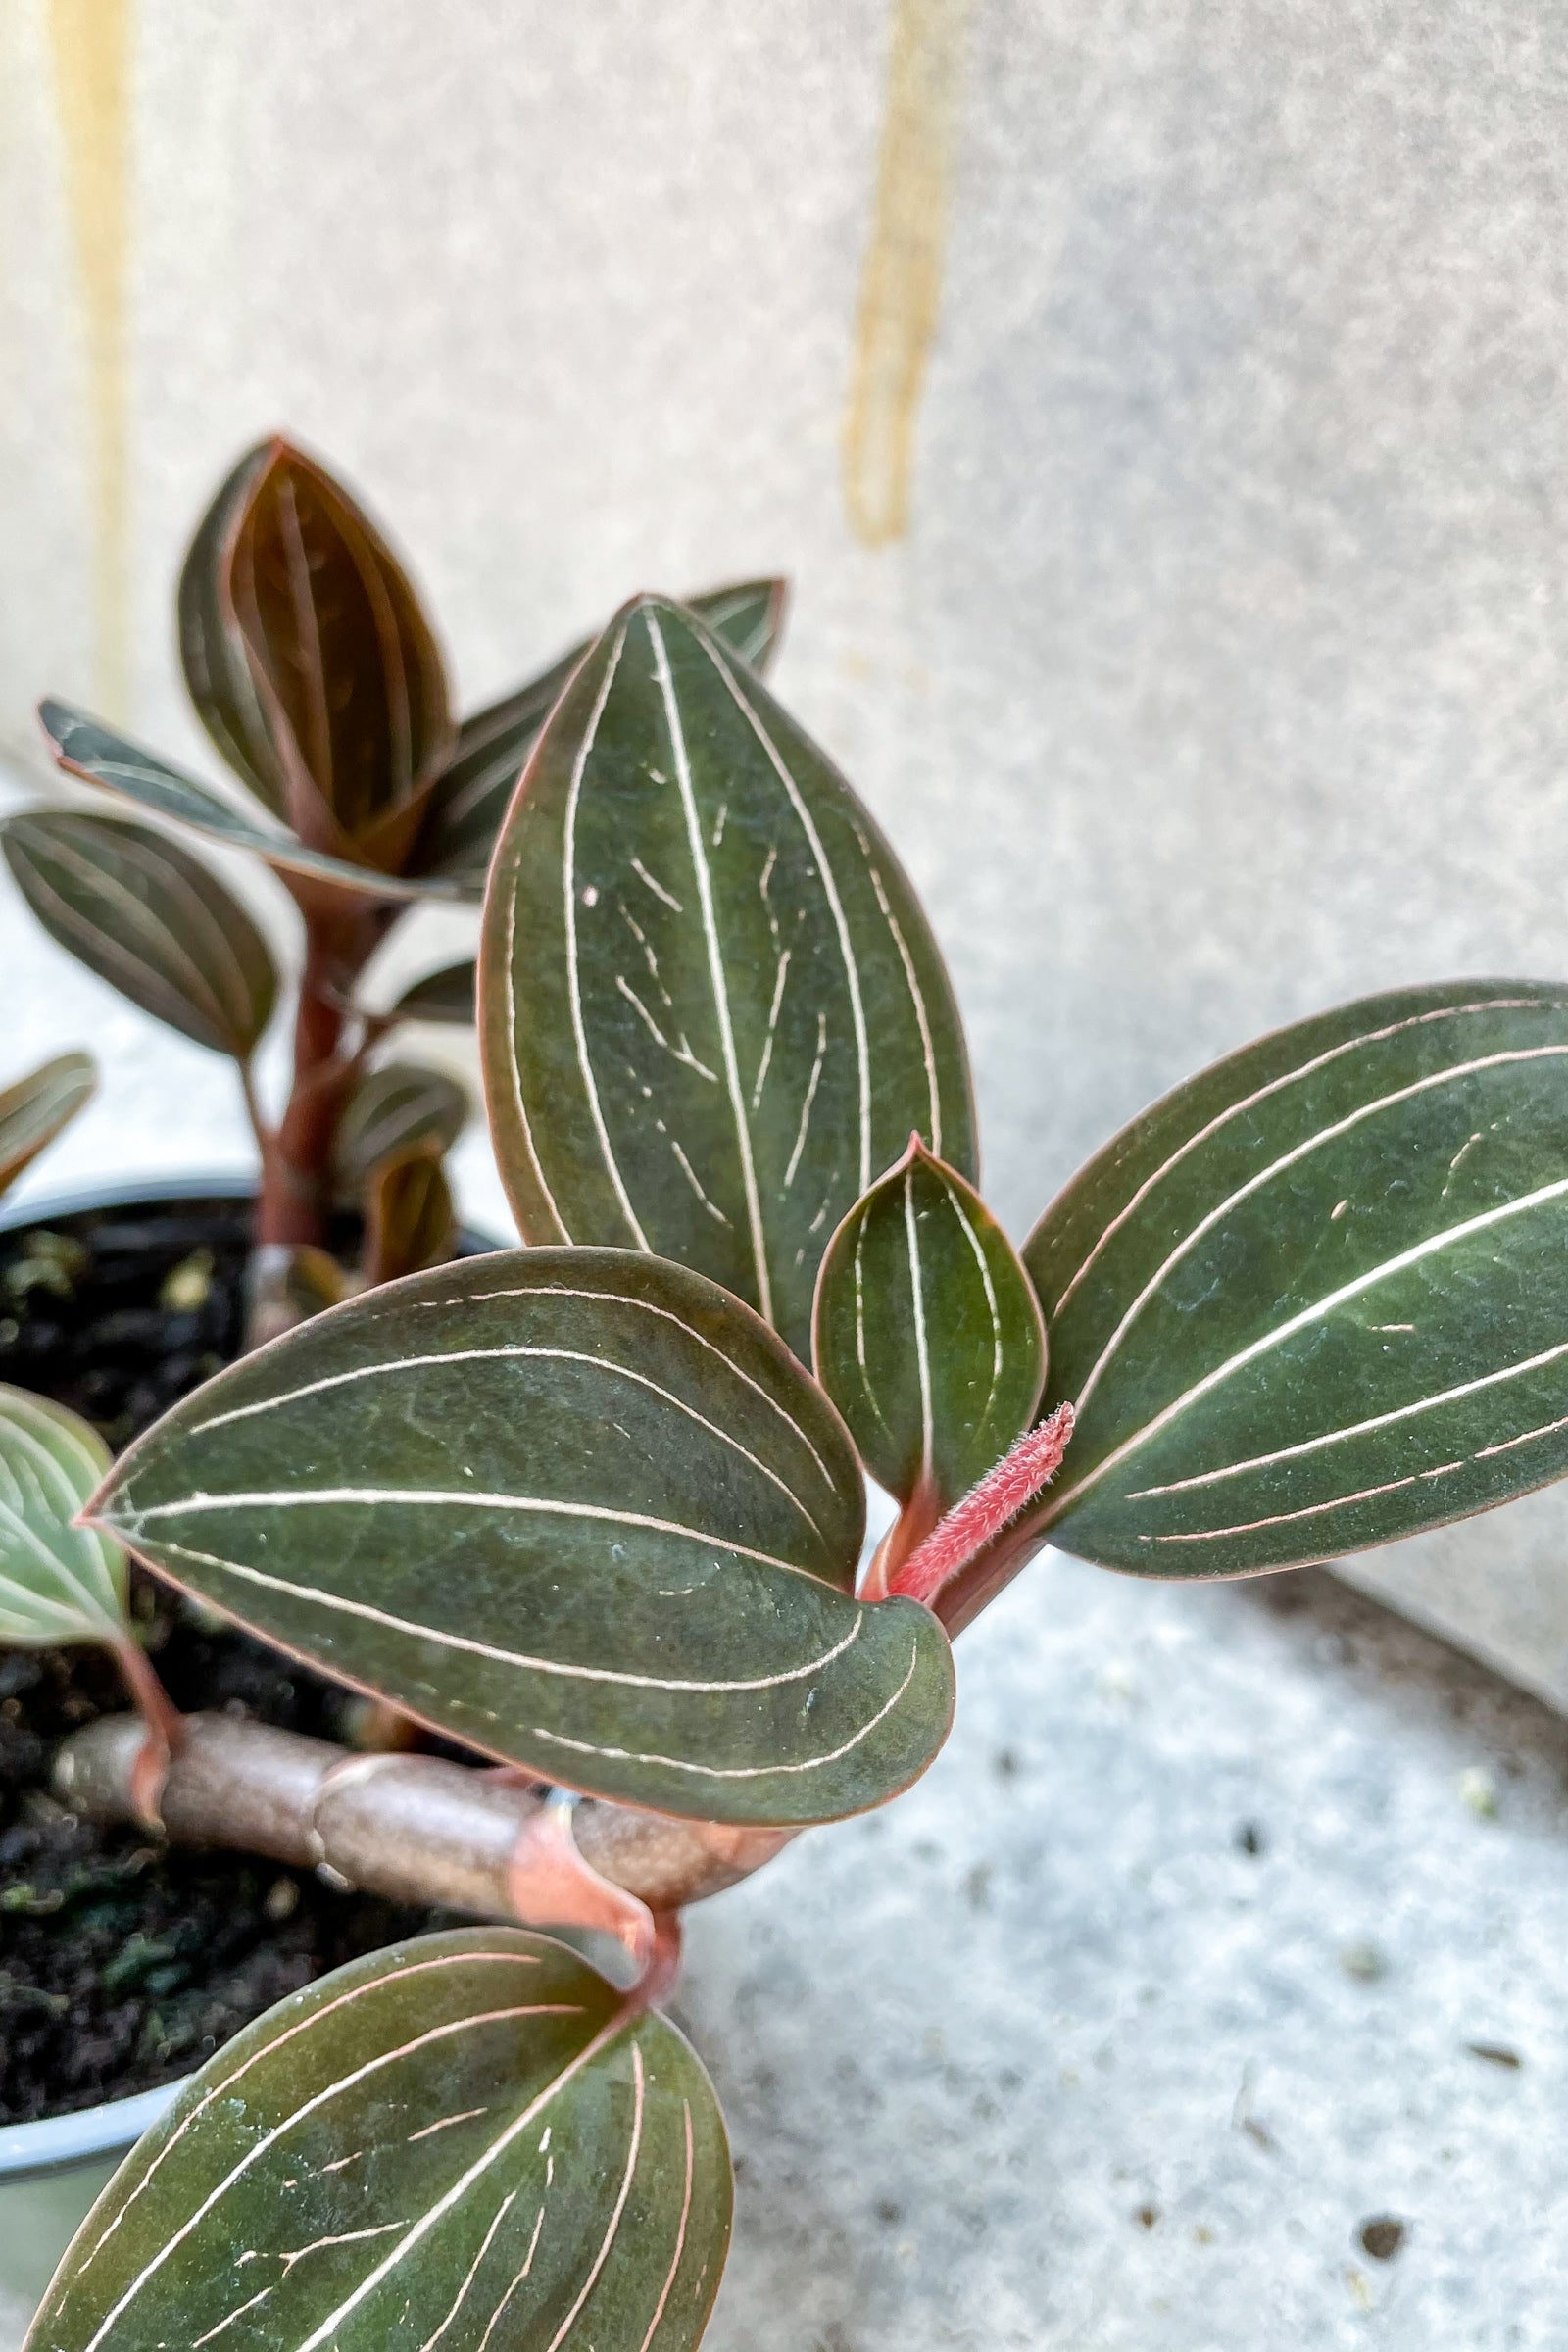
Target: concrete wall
{"type": "Point", "coordinates": [1206, 657]}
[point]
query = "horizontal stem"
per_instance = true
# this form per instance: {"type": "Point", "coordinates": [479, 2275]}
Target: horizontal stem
{"type": "Point", "coordinates": [419, 1829]}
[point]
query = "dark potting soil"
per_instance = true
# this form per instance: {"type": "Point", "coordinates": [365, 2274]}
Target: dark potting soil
{"type": "Point", "coordinates": [124, 1962]}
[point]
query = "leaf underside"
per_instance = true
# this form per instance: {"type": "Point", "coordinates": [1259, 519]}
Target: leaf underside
{"type": "Point", "coordinates": [468, 2141]}
{"type": "Point", "coordinates": [710, 1008]}
{"type": "Point", "coordinates": [471, 797]}
{"type": "Point", "coordinates": [85, 747]}
{"type": "Point", "coordinates": [1317, 1298]}
{"type": "Point", "coordinates": [578, 1507]}
{"type": "Point", "coordinates": [57, 1582]}
{"type": "Point", "coordinates": [35, 1108]}
{"type": "Point", "coordinates": [927, 1335]}
{"type": "Point", "coordinates": [149, 918]}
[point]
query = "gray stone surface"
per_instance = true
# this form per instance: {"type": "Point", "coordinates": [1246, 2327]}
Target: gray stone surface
{"type": "Point", "coordinates": [1045, 2057]}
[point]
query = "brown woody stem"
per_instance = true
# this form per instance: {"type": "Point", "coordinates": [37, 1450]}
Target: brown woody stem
{"type": "Point", "coordinates": [419, 1828]}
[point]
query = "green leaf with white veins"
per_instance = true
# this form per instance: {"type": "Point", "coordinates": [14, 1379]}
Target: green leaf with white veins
{"type": "Point", "coordinates": [34, 1109]}
{"type": "Point", "coordinates": [578, 1507]}
{"type": "Point", "coordinates": [1318, 1297]}
{"type": "Point", "coordinates": [710, 1006]}
{"type": "Point", "coordinates": [469, 2141]}
{"type": "Point", "coordinates": [57, 1582]}
{"type": "Point", "coordinates": [928, 1337]}
{"type": "Point", "coordinates": [471, 797]}
{"type": "Point", "coordinates": [149, 918]}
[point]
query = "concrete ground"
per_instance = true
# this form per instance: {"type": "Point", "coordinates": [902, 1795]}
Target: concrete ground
{"type": "Point", "coordinates": [1228, 1927]}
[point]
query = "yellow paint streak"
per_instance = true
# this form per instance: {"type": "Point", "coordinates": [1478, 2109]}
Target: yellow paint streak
{"type": "Point", "coordinates": [90, 44]}
{"type": "Point", "coordinates": [900, 283]}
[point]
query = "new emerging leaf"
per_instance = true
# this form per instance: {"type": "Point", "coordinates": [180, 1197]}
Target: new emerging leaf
{"type": "Point", "coordinates": [927, 1335]}
{"type": "Point", "coordinates": [578, 1507]}
{"type": "Point", "coordinates": [710, 1008]}
{"type": "Point", "coordinates": [465, 2143]}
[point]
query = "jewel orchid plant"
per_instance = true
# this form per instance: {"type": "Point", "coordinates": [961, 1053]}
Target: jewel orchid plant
{"type": "Point", "coordinates": [583, 1507]}
{"type": "Point", "coordinates": [317, 673]}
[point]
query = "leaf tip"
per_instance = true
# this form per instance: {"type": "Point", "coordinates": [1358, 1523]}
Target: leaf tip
{"type": "Point", "coordinates": [54, 717]}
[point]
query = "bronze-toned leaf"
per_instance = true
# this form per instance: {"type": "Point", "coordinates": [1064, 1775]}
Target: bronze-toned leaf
{"type": "Point", "coordinates": [212, 644]}
{"type": "Point", "coordinates": [469, 2143]}
{"type": "Point", "coordinates": [308, 655]}
{"type": "Point", "coordinates": [400, 1108]}
{"type": "Point", "coordinates": [149, 918]}
{"type": "Point", "coordinates": [710, 1008]}
{"type": "Point", "coordinates": [577, 1507]}
{"type": "Point", "coordinates": [469, 802]}
{"type": "Point", "coordinates": [927, 1333]}
{"type": "Point", "coordinates": [409, 1222]}
{"type": "Point", "coordinates": [85, 747]}
{"type": "Point", "coordinates": [34, 1109]}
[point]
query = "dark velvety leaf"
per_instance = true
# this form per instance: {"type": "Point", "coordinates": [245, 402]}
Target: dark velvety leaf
{"type": "Point", "coordinates": [401, 1107]}
{"type": "Point", "coordinates": [57, 1582]}
{"type": "Point", "coordinates": [469, 802]}
{"type": "Point", "coordinates": [710, 1008]}
{"type": "Point", "coordinates": [578, 1507]}
{"type": "Point", "coordinates": [409, 1223]}
{"type": "Point", "coordinates": [446, 996]}
{"type": "Point", "coordinates": [149, 918]}
{"type": "Point", "coordinates": [309, 656]}
{"type": "Point", "coordinates": [85, 747]}
{"type": "Point", "coordinates": [1317, 1298]}
{"type": "Point", "coordinates": [466, 2143]}
{"type": "Point", "coordinates": [34, 1109]}
{"type": "Point", "coordinates": [928, 1338]}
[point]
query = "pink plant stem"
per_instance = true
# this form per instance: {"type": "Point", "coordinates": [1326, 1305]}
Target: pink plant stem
{"type": "Point", "coordinates": [166, 1730]}
{"type": "Point", "coordinates": [662, 1969]}
{"type": "Point", "coordinates": [985, 1510]}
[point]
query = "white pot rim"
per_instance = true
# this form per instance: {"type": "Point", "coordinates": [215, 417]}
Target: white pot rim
{"type": "Point", "coordinates": [57, 2140]}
